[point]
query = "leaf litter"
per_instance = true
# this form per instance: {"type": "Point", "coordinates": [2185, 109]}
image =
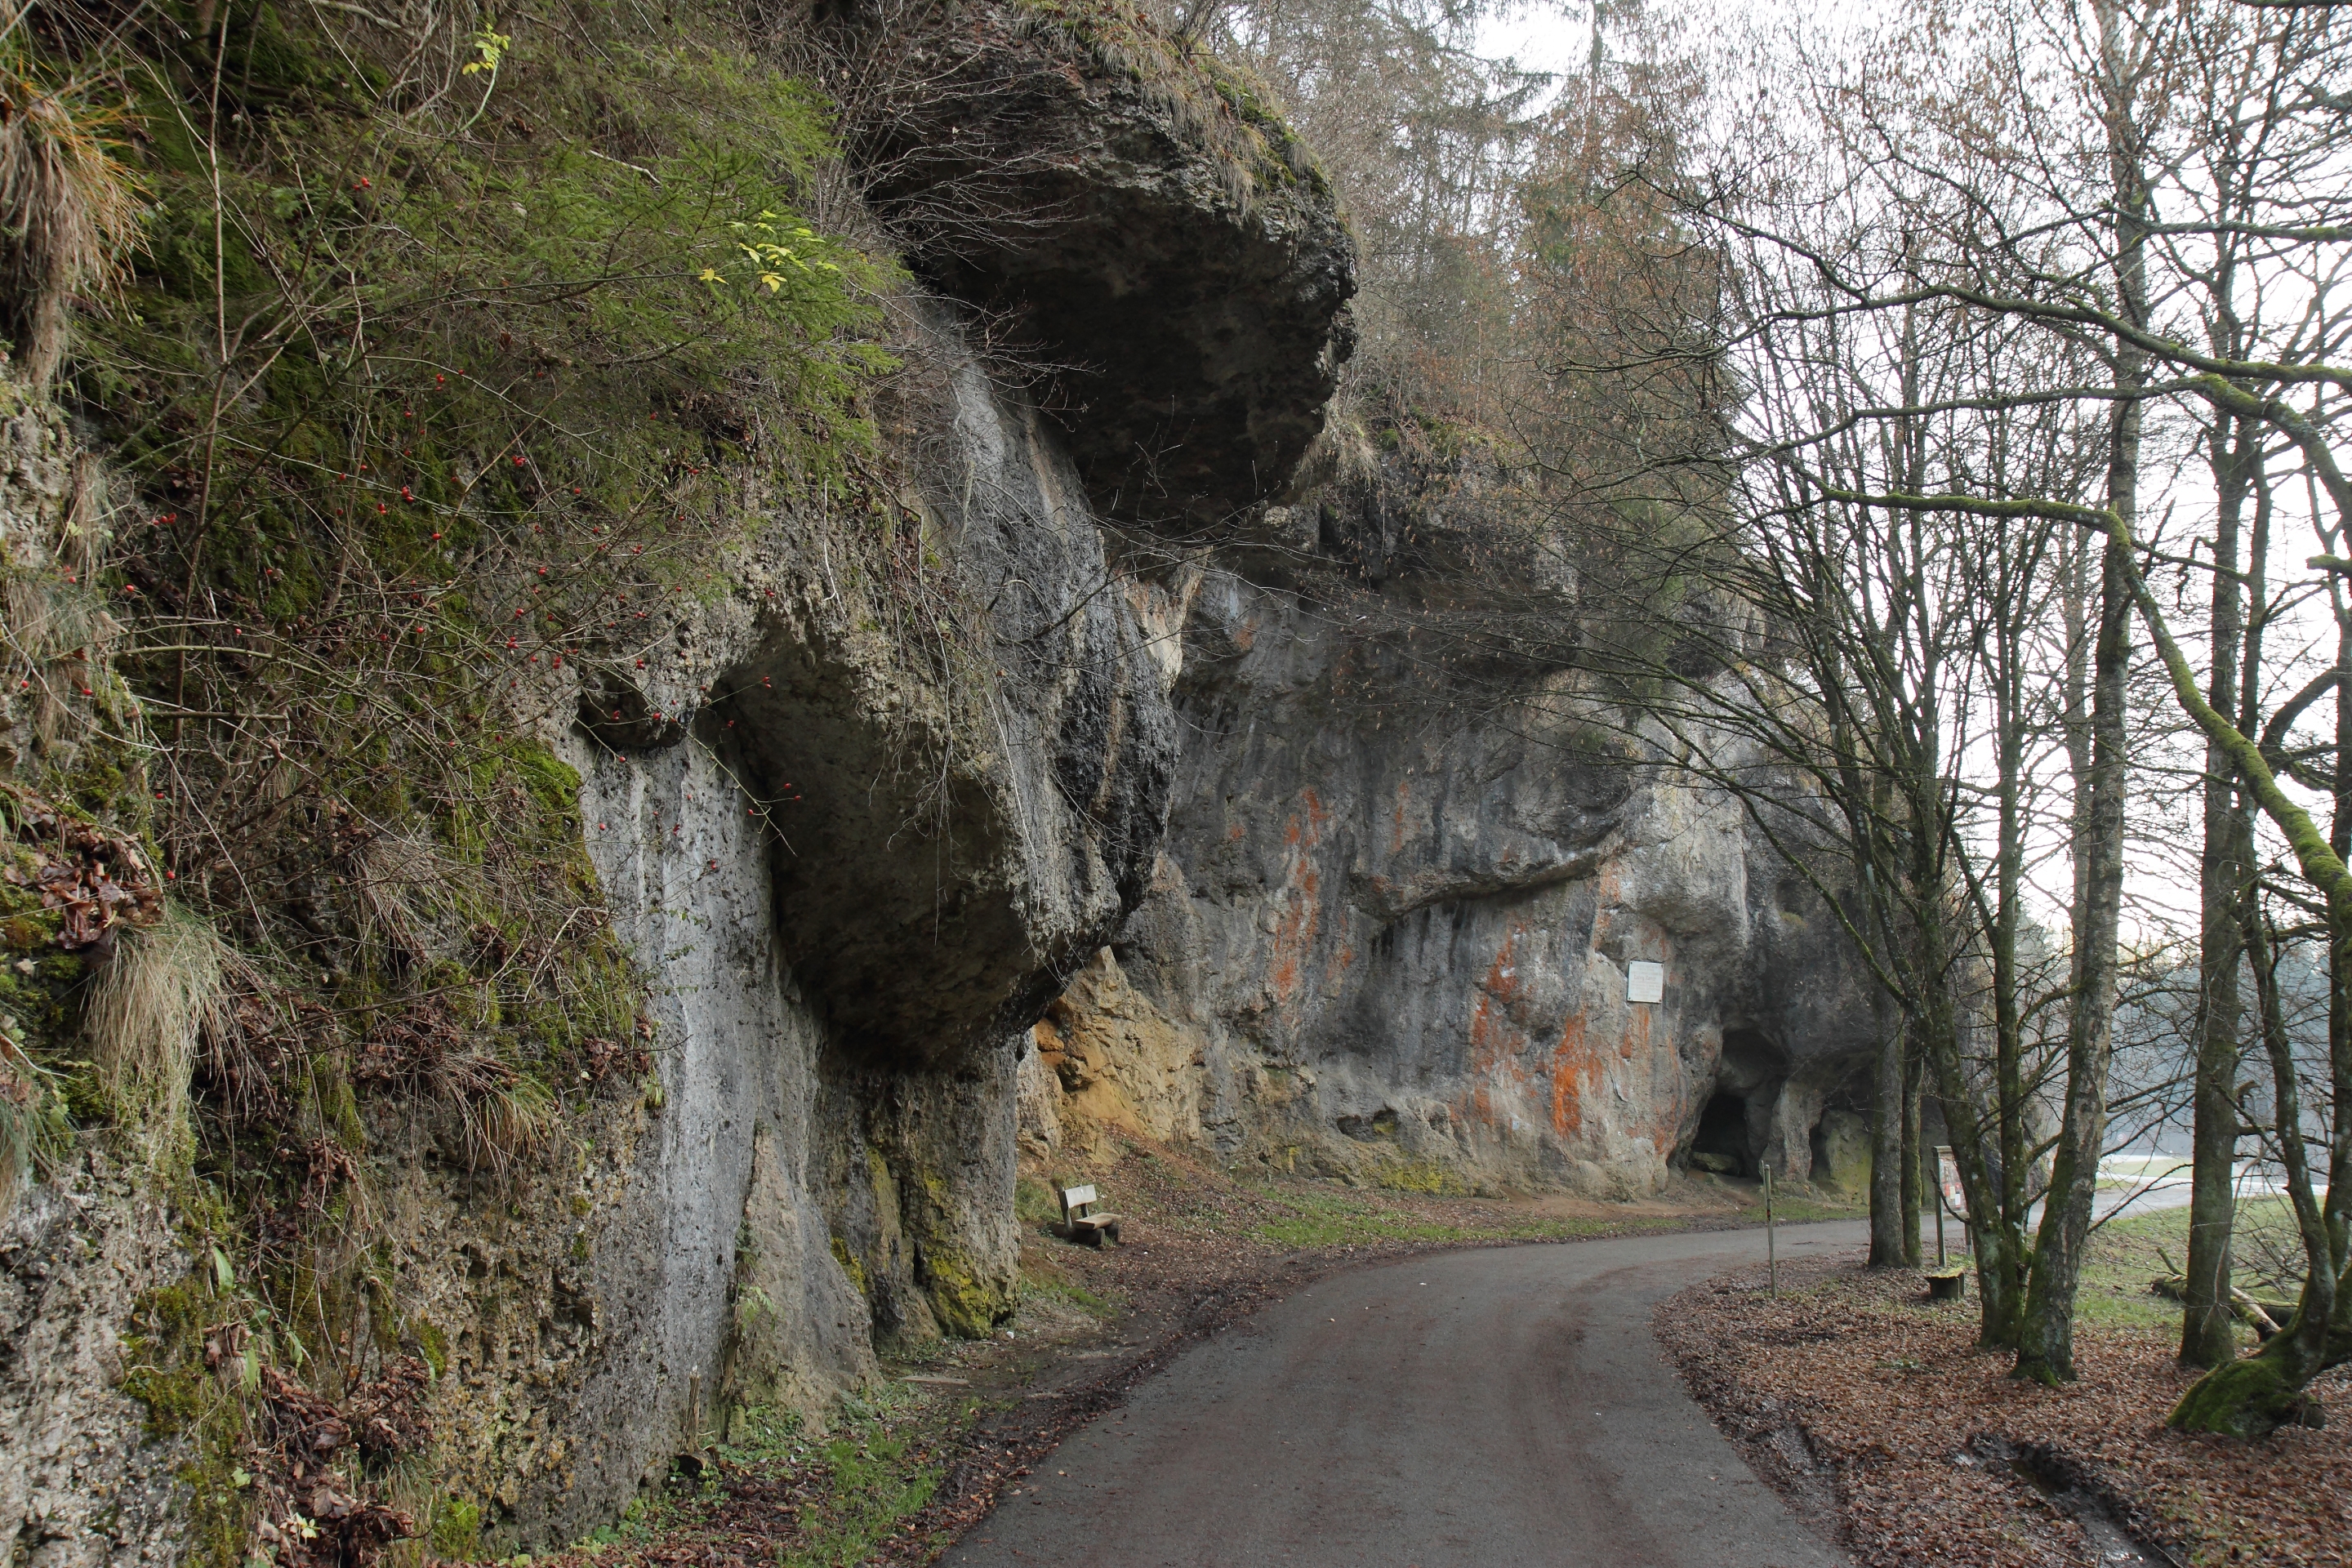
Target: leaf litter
{"type": "Point", "coordinates": [1915, 1448]}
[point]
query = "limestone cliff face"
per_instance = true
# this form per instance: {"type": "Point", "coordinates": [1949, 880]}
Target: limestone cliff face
{"type": "Point", "coordinates": [78, 1484]}
{"type": "Point", "coordinates": [852, 878]}
{"type": "Point", "coordinates": [857, 820]}
{"type": "Point", "coordinates": [1394, 934]}
{"type": "Point", "coordinates": [1069, 753]}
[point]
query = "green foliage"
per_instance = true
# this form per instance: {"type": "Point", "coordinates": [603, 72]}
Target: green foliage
{"type": "Point", "coordinates": [429, 396]}
{"type": "Point", "coordinates": [432, 404]}
{"type": "Point", "coordinates": [1034, 1202]}
{"type": "Point", "coordinates": [873, 1478]}
{"type": "Point", "coordinates": [757, 1434]}
{"type": "Point", "coordinates": [457, 1528]}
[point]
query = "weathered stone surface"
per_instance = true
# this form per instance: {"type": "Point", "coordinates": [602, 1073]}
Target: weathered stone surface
{"type": "Point", "coordinates": [1116, 1060]}
{"type": "Point", "coordinates": [1396, 933]}
{"type": "Point", "coordinates": [1137, 218]}
{"type": "Point", "coordinates": [81, 1485]}
{"type": "Point", "coordinates": [852, 897]}
{"type": "Point", "coordinates": [979, 806]}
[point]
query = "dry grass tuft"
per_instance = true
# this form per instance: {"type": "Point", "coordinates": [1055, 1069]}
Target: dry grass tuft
{"type": "Point", "coordinates": [164, 987]}
{"type": "Point", "coordinates": [405, 893]}
{"type": "Point", "coordinates": [503, 1113]}
{"type": "Point", "coordinates": [69, 210]}
{"type": "Point", "coordinates": [507, 1122]}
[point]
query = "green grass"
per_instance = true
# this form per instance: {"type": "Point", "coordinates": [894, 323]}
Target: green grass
{"type": "Point", "coordinates": [1033, 1202]}
{"type": "Point", "coordinates": [1337, 1217]}
{"type": "Point", "coordinates": [2125, 1254]}
{"type": "Point", "coordinates": [876, 1478]}
{"type": "Point", "coordinates": [877, 1467]}
{"type": "Point", "coordinates": [1076, 1294]}
{"type": "Point", "coordinates": [1787, 1210]}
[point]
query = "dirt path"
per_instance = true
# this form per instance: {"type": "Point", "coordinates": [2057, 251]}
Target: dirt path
{"type": "Point", "coordinates": [1499, 1407]}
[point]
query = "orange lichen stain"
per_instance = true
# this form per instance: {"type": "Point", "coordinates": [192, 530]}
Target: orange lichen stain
{"type": "Point", "coordinates": [1575, 1072]}
{"type": "Point", "coordinates": [1608, 894]}
{"type": "Point", "coordinates": [1579, 1069]}
{"type": "Point", "coordinates": [1293, 933]}
{"type": "Point", "coordinates": [1294, 937]}
{"type": "Point", "coordinates": [1497, 1042]}
{"type": "Point", "coordinates": [1234, 833]}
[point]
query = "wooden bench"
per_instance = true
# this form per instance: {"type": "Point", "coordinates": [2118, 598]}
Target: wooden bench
{"type": "Point", "coordinates": [1081, 1222]}
{"type": "Point", "coordinates": [1948, 1284]}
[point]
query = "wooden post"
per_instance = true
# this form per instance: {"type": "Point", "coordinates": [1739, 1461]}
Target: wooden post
{"type": "Point", "coordinates": [1941, 1150]}
{"type": "Point", "coordinates": [1772, 1242]}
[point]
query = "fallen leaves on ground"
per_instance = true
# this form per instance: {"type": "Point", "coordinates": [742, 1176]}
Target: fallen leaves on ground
{"type": "Point", "coordinates": [1850, 1382]}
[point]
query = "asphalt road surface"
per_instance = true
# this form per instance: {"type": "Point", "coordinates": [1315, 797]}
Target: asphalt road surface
{"type": "Point", "coordinates": [1494, 1407]}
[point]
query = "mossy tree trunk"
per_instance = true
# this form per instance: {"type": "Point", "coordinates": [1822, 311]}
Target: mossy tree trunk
{"type": "Point", "coordinates": [2046, 1339]}
{"type": "Point", "coordinates": [1996, 1226]}
{"type": "Point", "coordinates": [2224, 874]}
{"type": "Point", "coordinates": [1887, 1186]}
{"type": "Point", "coordinates": [2264, 1391]}
{"type": "Point", "coordinates": [1915, 1176]}
{"type": "Point", "coordinates": [2046, 1343]}
{"type": "Point", "coordinates": [2253, 1396]}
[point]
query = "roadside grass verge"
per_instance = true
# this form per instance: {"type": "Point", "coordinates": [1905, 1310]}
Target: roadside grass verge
{"type": "Point", "coordinates": [2126, 1256]}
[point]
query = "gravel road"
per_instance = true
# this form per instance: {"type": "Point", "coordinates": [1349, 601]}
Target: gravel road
{"type": "Point", "coordinates": [1500, 1406]}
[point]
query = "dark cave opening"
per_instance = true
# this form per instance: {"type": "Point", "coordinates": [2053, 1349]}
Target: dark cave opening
{"type": "Point", "coordinates": [1723, 1137]}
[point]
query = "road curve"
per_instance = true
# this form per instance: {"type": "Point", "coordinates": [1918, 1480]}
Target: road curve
{"type": "Point", "coordinates": [1502, 1406]}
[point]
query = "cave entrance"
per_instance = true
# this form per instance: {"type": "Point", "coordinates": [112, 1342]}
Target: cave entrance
{"type": "Point", "coordinates": [1735, 1125]}
{"type": "Point", "coordinates": [1722, 1142]}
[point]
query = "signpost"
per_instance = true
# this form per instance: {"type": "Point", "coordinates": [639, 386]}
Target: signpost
{"type": "Point", "coordinates": [1772, 1242]}
{"type": "Point", "coordinates": [1949, 1194]}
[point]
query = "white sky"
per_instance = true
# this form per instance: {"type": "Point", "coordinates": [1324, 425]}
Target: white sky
{"type": "Point", "coordinates": [1546, 37]}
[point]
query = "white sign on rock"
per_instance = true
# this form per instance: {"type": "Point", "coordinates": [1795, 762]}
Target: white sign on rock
{"type": "Point", "coordinates": [1645, 981]}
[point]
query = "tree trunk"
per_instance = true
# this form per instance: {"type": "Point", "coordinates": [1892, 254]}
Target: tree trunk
{"type": "Point", "coordinates": [2046, 1340]}
{"type": "Point", "coordinates": [2209, 1328]}
{"type": "Point", "coordinates": [1914, 1195]}
{"type": "Point", "coordinates": [2208, 1336]}
{"type": "Point", "coordinates": [2251, 1398]}
{"type": "Point", "coordinates": [1886, 1124]}
{"type": "Point", "coordinates": [2046, 1350]}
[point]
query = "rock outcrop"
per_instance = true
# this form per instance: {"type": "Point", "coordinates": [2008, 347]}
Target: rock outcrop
{"type": "Point", "coordinates": [858, 819]}
{"type": "Point", "coordinates": [1136, 220]}
{"type": "Point", "coordinates": [1393, 916]}
{"type": "Point", "coordinates": [1041, 795]}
